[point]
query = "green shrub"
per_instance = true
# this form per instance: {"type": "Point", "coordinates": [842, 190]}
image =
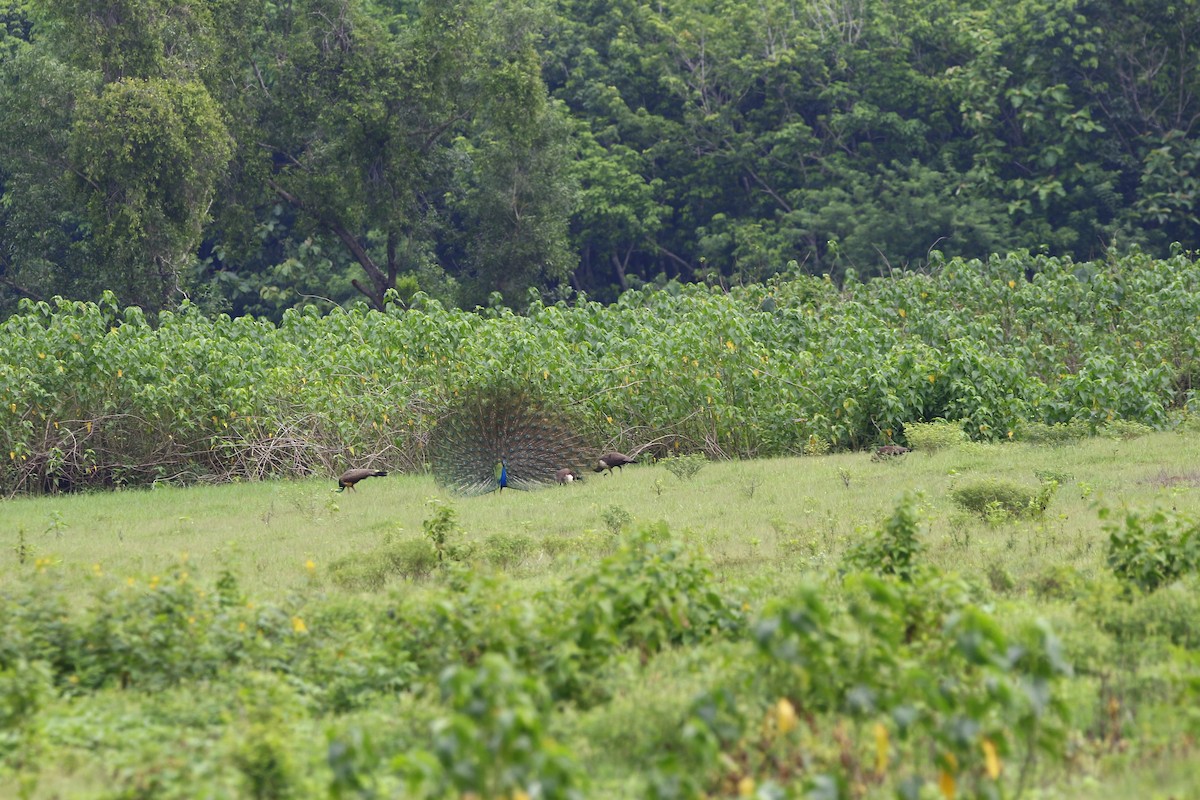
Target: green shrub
{"type": "Point", "coordinates": [1148, 551]}
{"type": "Point", "coordinates": [507, 550]}
{"type": "Point", "coordinates": [1125, 429]}
{"type": "Point", "coordinates": [929, 437]}
{"type": "Point", "coordinates": [1051, 434]}
{"type": "Point", "coordinates": [995, 499]}
{"type": "Point", "coordinates": [893, 549]}
{"type": "Point", "coordinates": [494, 741]}
{"type": "Point", "coordinates": [685, 467]}
{"type": "Point", "coordinates": [360, 572]}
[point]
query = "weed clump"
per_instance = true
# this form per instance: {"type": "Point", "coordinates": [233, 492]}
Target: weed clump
{"type": "Point", "coordinates": [894, 548]}
{"type": "Point", "coordinates": [686, 467]}
{"type": "Point", "coordinates": [994, 499]}
{"type": "Point", "coordinates": [1152, 550]}
{"type": "Point", "coordinates": [929, 437]}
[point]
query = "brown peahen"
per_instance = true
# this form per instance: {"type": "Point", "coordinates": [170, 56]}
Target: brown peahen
{"type": "Point", "coordinates": [353, 476]}
{"type": "Point", "coordinates": [501, 436]}
{"type": "Point", "coordinates": [889, 451]}
{"type": "Point", "coordinates": [613, 459]}
{"type": "Point", "coordinates": [567, 475]}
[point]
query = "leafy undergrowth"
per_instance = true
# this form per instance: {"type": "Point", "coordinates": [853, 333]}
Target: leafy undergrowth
{"type": "Point", "coordinates": [881, 682]}
{"type": "Point", "coordinates": [926, 653]}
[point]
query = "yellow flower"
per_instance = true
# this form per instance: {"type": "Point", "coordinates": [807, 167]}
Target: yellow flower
{"type": "Point", "coordinates": [881, 748]}
{"type": "Point", "coordinates": [298, 625]}
{"type": "Point", "coordinates": [310, 565]}
{"type": "Point", "coordinates": [1012, 284]}
{"type": "Point", "coordinates": [729, 343]}
{"type": "Point", "coordinates": [545, 374]}
{"type": "Point", "coordinates": [41, 355]}
{"type": "Point", "coordinates": [746, 786]}
{"type": "Point", "coordinates": [946, 784]}
{"type": "Point", "coordinates": [991, 759]}
{"type": "Point", "coordinates": [932, 379]}
{"type": "Point", "coordinates": [785, 716]}
{"type": "Point", "coordinates": [120, 373]}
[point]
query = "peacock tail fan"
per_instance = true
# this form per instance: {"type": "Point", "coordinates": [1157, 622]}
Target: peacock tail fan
{"type": "Point", "coordinates": [492, 429]}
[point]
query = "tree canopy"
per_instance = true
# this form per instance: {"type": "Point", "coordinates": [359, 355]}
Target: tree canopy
{"type": "Point", "coordinates": [256, 156]}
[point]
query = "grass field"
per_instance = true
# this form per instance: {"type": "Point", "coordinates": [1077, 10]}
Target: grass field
{"type": "Point", "coordinates": [763, 528]}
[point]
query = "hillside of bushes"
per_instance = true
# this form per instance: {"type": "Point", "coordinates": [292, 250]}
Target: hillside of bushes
{"type": "Point", "coordinates": [1017, 346]}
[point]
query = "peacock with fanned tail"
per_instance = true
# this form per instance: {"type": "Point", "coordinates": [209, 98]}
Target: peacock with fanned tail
{"type": "Point", "coordinates": [496, 437]}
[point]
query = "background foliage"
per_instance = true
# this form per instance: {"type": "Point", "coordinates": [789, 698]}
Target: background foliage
{"type": "Point", "coordinates": [92, 394]}
{"type": "Point", "coordinates": [333, 149]}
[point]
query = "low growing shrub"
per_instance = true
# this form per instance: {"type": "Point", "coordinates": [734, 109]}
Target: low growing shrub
{"type": "Point", "coordinates": [685, 467]}
{"type": "Point", "coordinates": [996, 499]}
{"type": "Point", "coordinates": [1148, 551]}
{"type": "Point", "coordinates": [1051, 434]}
{"type": "Point", "coordinates": [893, 549]}
{"type": "Point", "coordinates": [929, 437]}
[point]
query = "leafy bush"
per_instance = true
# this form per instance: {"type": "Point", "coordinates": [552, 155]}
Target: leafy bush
{"type": "Point", "coordinates": [929, 437]}
{"type": "Point", "coordinates": [893, 549]}
{"type": "Point", "coordinates": [685, 467]}
{"type": "Point", "coordinates": [494, 742]}
{"type": "Point", "coordinates": [1150, 550]}
{"type": "Point", "coordinates": [995, 499]}
{"type": "Point", "coordinates": [651, 593]}
{"type": "Point", "coordinates": [920, 668]}
{"type": "Point", "coordinates": [1056, 433]}
{"type": "Point", "coordinates": [508, 550]}
{"type": "Point", "coordinates": [368, 571]}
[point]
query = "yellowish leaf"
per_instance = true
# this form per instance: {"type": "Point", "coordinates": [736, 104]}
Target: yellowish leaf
{"type": "Point", "coordinates": [947, 785]}
{"type": "Point", "coordinates": [991, 759]}
{"type": "Point", "coordinates": [881, 748]}
{"type": "Point", "coordinates": [785, 716]}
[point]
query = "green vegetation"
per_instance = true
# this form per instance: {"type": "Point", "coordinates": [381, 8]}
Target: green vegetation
{"type": "Point", "coordinates": [815, 635]}
{"type": "Point", "coordinates": [93, 395]}
{"type": "Point", "coordinates": [257, 156]}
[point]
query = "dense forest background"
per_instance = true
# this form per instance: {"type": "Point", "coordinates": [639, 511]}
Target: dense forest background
{"type": "Point", "coordinates": [254, 156]}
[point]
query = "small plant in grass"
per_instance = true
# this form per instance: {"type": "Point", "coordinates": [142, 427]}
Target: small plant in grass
{"type": "Point", "coordinates": [929, 437]}
{"type": "Point", "coordinates": [996, 500]}
{"type": "Point", "coordinates": [1125, 429]}
{"type": "Point", "coordinates": [1051, 434]}
{"type": "Point", "coordinates": [1150, 550]}
{"type": "Point", "coordinates": [507, 550]}
{"type": "Point", "coordinates": [894, 548]}
{"type": "Point", "coordinates": [685, 467]}
{"type": "Point", "coordinates": [439, 529]}
{"type": "Point", "coordinates": [493, 742]}
{"type": "Point", "coordinates": [817, 446]}
{"type": "Point", "coordinates": [615, 519]}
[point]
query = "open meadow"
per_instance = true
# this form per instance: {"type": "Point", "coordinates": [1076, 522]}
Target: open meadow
{"type": "Point", "coordinates": [824, 626]}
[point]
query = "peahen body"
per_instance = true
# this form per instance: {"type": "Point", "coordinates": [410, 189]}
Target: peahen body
{"type": "Point", "coordinates": [353, 476]}
{"type": "Point", "coordinates": [497, 437]}
{"type": "Point", "coordinates": [613, 459]}
{"type": "Point", "coordinates": [567, 475]}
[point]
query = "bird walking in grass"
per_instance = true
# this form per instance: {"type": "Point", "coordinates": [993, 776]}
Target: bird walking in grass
{"type": "Point", "coordinates": [503, 436]}
{"type": "Point", "coordinates": [353, 476]}
{"type": "Point", "coordinates": [889, 451]}
{"type": "Point", "coordinates": [613, 459]}
{"type": "Point", "coordinates": [566, 475]}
